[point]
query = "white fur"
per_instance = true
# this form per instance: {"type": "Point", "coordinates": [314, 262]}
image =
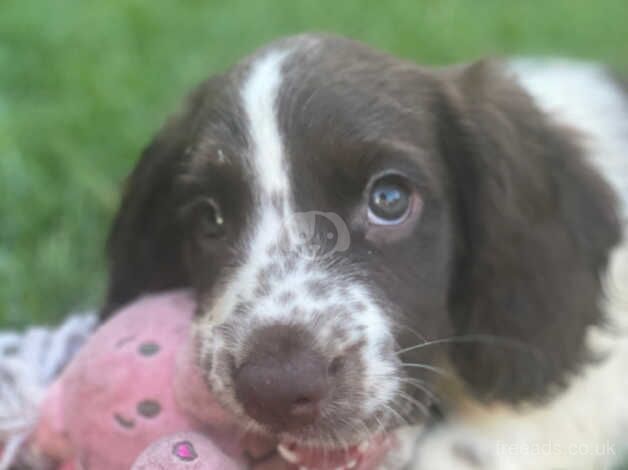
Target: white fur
{"type": "Point", "coordinates": [582, 95]}
{"type": "Point", "coordinates": [259, 99]}
{"type": "Point", "coordinates": [585, 427]}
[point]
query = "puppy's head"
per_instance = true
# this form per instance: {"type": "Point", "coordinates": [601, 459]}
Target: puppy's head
{"type": "Point", "coordinates": [360, 231]}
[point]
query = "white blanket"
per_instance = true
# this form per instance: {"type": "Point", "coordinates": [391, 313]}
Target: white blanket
{"type": "Point", "coordinates": [29, 362]}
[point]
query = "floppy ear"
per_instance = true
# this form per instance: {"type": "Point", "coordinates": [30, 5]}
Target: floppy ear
{"type": "Point", "coordinates": [144, 247]}
{"type": "Point", "coordinates": [536, 224]}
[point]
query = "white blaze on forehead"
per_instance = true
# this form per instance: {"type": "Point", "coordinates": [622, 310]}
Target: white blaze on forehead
{"type": "Point", "coordinates": [266, 158]}
{"type": "Point", "coordinates": [259, 99]}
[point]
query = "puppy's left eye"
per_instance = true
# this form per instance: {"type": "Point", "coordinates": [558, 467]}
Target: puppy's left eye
{"type": "Point", "coordinates": [389, 201]}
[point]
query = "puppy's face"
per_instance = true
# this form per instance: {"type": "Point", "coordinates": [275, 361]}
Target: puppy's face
{"type": "Point", "coordinates": [319, 238]}
{"type": "Point", "coordinates": [352, 224]}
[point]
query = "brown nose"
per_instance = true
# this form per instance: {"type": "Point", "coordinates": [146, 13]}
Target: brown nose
{"type": "Point", "coordinates": [283, 380]}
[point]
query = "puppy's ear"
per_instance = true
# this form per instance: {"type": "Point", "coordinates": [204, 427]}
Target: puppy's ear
{"type": "Point", "coordinates": [536, 225]}
{"type": "Point", "coordinates": [145, 243]}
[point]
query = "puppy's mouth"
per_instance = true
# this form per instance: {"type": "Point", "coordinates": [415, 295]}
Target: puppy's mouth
{"type": "Point", "coordinates": [264, 453]}
{"type": "Point", "coordinates": [306, 449]}
{"type": "Point", "coordinates": [356, 456]}
{"type": "Point", "coordinates": [309, 450]}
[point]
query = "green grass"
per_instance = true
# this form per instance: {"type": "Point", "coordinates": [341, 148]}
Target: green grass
{"type": "Point", "coordinates": [83, 84]}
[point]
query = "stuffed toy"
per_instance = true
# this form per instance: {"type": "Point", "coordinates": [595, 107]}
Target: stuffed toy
{"type": "Point", "coordinates": [133, 397]}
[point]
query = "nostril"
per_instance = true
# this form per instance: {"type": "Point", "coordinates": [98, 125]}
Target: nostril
{"type": "Point", "coordinates": [335, 366]}
{"type": "Point", "coordinates": [305, 408]}
{"type": "Point", "coordinates": [302, 401]}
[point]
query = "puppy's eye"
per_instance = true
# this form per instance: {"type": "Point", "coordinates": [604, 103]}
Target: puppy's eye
{"type": "Point", "coordinates": [389, 201]}
{"type": "Point", "coordinates": [205, 217]}
{"type": "Point", "coordinates": [211, 221]}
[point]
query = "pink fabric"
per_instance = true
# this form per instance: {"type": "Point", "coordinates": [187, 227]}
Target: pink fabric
{"type": "Point", "coordinates": [184, 451]}
{"type": "Point", "coordinates": [117, 397]}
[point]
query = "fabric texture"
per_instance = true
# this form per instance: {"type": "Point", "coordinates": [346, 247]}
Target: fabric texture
{"type": "Point", "coordinates": [29, 362]}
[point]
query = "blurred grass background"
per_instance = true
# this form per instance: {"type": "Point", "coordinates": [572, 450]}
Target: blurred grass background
{"type": "Point", "coordinates": [83, 84]}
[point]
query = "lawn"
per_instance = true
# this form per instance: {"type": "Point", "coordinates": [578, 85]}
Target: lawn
{"type": "Point", "coordinates": [83, 84]}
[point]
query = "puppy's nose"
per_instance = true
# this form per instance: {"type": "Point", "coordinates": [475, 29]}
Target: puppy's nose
{"type": "Point", "coordinates": [283, 380]}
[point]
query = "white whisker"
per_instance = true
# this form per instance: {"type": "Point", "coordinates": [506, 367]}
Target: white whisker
{"type": "Point", "coordinates": [392, 410]}
{"type": "Point", "coordinates": [420, 406]}
{"type": "Point", "coordinates": [434, 369]}
{"type": "Point", "coordinates": [479, 338]}
{"type": "Point", "coordinates": [421, 386]}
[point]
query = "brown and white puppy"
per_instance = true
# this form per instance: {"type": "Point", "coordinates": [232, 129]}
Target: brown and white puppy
{"type": "Point", "coordinates": [371, 240]}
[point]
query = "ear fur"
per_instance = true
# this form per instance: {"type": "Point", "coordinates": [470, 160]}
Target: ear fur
{"type": "Point", "coordinates": [536, 225]}
{"type": "Point", "coordinates": [145, 244]}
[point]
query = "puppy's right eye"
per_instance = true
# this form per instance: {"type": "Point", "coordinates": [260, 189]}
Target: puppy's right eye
{"type": "Point", "coordinates": [211, 222]}
{"type": "Point", "coordinates": [205, 216]}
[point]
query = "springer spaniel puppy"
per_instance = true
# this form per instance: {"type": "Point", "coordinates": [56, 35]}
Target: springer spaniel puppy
{"type": "Point", "coordinates": [383, 248]}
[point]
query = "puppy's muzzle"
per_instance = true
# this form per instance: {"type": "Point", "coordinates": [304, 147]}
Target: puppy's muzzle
{"type": "Point", "coordinates": [283, 381]}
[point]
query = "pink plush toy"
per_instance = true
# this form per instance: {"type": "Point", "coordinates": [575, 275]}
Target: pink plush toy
{"type": "Point", "coordinates": [132, 383]}
{"type": "Point", "coordinates": [133, 397]}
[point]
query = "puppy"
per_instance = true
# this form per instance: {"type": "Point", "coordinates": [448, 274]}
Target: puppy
{"type": "Point", "coordinates": [380, 248]}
